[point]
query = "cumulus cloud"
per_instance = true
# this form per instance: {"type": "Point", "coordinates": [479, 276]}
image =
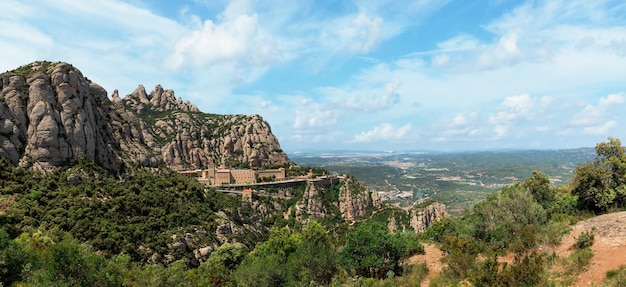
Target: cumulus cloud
{"type": "Point", "coordinates": [532, 32]}
{"type": "Point", "coordinates": [514, 108]}
{"type": "Point", "coordinates": [311, 115]}
{"type": "Point", "coordinates": [236, 38]}
{"type": "Point", "coordinates": [505, 51]}
{"type": "Point", "coordinates": [387, 132]}
{"type": "Point", "coordinates": [368, 103]}
{"type": "Point", "coordinates": [461, 127]}
{"type": "Point", "coordinates": [592, 116]}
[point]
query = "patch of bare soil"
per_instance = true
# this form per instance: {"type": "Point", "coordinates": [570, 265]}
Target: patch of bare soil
{"type": "Point", "coordinates": [433, 261]}
{"type": "Point", "coordinates": [609, 247]}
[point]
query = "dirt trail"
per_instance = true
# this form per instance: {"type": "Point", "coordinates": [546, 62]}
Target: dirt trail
{"type": "Point", "coordinates": [433, 261]}
{"type": "Point", "coordinates": [609, 247]}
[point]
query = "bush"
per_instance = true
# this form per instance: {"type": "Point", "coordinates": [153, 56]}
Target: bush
{"type": "Point", "coordinates": [585, 240]}
{"type": "Point", "coordinates": [616, 277]}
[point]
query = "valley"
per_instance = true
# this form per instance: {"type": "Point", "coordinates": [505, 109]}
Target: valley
{"type": "Point", "coordinates": [458, 180]}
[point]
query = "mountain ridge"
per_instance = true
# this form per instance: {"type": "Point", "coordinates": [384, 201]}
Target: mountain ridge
{"type": "Point", "coordinates": [50, 114]}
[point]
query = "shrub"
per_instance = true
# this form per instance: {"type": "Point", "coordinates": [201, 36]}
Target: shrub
{"type": "Point", "coordinates": [585, 240]}
{"type": "Point", "coordinates": [616, 277]}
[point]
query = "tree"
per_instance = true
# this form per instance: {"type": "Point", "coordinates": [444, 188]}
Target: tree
{"type": "Point", "coordinates": [372, 251]}
{"type": "Point", "coordinates": [315, 259]}
{"type": "Point", "coordinates": [290, 258]}
{"type": "Point", "coordinates": [461, 253]}
{"type": "Point", "coordinates": [282, 242]}
{"type": "Point", "coordinates": [613, 155]}
{"type": "Point", "coordinates": [12, 260]}
{"type": "Point", "coordinates": [592, 184]}
{"type": "Point", "coordinates": [539, 186]}
{"type": "Point", "coordinates": [222, 262]}
{"type": "Point", "coordinates": [503, 217]}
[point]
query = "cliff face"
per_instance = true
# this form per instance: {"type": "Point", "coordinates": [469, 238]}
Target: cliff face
{"type": "Point", "coordinates": [355, 201]}
{"type": "Point", "coordinates": [311, 205]}
{"type": "Point", "coordinates": [351, 200]}
{"type": "Point", "coordinates": [50, 114]}
{"type": "Point", "coordinates": [420, 219]}
{"type": "Point", "coordinates": [417, 218]}
{"type": "Point", "coordinates": [188, 139]}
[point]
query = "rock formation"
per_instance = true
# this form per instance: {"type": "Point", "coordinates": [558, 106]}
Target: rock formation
{"type": "Point", "coordinates": [417, 218]}
{"type": "Point", "coordinates": [311, 205]}
{"type": "Point", "coordinates": [189, 139]}
{"type": "Point", "coordinates": [354, 202]}
{"type": "Point", "coordinates": [423, 218]}
{"type": "Point", "coordinates": [51, 114]}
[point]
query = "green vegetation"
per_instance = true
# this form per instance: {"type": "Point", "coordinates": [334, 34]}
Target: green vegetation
{"type": "Point", "coordinates": [371, 251]}
{"type": "Point", "coordinates": [525, 216]}
{"type": "Point", "coordinates": [616, 278]}
{"type": "Point", "coordinates": [136, 214]}
{"type": "Point", "coordinates": [601, 183]}
{"type": "Point", "coordinates": [83, 226]}
{"type": "Point", "coordinates": [27, 70]}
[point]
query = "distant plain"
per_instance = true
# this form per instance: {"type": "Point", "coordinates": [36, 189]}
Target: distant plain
{"type": "Point", "coordinates": [456, 179]}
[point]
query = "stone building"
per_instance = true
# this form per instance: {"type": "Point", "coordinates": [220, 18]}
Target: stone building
{"type": "Point", "coordinates": [221, 176]}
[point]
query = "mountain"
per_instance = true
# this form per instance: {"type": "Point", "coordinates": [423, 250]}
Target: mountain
{"type": "Point", "coordinates": [51, 114]}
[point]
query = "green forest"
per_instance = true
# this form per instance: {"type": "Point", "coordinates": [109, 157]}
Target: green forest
{"type": "Point", "coordinates": [85, 226]}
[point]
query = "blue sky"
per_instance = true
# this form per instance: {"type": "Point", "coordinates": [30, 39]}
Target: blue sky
{"type": "Point", "coordinates": [355, 75]}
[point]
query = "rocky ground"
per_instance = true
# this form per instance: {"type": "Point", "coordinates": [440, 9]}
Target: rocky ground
{"type": "Point", "coordinates": [433, 261]}
{"type": "Point", "coordinates": [609, 248]}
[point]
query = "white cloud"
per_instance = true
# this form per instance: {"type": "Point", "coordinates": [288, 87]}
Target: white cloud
{"type": "Point", "coordinates": [500, 131]}
{"type": "Point", "coordinates": [591, 116]}
{"type": "Point", "coordinates": [310, 115]}
{"type": "Point", "coordinates": [387, 132]}
{"type": "Point", "coordinates": [514, 108]}
{"type": "Point", "coordinates": [237, 38]}
{"type": "Point", "coordinates": [361, 35]}
{"type": "Point", "coordinates": [601, 129]}
{"type": "Point", "coordinates": [461, 126]}
{"type": "Point", "coordinates": [363, 101]}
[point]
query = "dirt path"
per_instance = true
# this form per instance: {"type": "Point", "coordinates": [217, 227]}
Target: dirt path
{"type": "Point", "coordinates": [433, 261]}
{"type": "Point", "coordinates": [609, 247]}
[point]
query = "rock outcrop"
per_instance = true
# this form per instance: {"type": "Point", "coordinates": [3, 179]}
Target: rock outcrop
{"type": "Point", "coordinates": [423, 218]}
{"type": "Point", "coordinates": [353, 201]}
{"type": "Point", "coordinates": [418, 218]}
{"type": "Point", "coordinates": [189, 139]}
{"type": "Point", "coordinates": [311, 205]}
{"type": "Point", "coordinates": [51, 114]}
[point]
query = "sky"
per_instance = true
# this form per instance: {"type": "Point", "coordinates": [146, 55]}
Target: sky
{"type": "Point", "coordinates": [354, 75]}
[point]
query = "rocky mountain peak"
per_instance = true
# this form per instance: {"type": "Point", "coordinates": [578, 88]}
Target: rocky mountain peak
{"type": "Point", "coordinates": [51, 114]}
{"type": "Point", "coordinates": [158, 100]}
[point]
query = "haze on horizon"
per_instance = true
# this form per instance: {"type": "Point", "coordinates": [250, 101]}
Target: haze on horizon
{"type": "Point", "coordinates": [355, 75]}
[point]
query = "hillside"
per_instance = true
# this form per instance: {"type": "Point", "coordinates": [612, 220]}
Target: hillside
{"type": "Point", "coordinates": [50, 114]}
{"type": "Point", "coordinates": [609, 231]}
